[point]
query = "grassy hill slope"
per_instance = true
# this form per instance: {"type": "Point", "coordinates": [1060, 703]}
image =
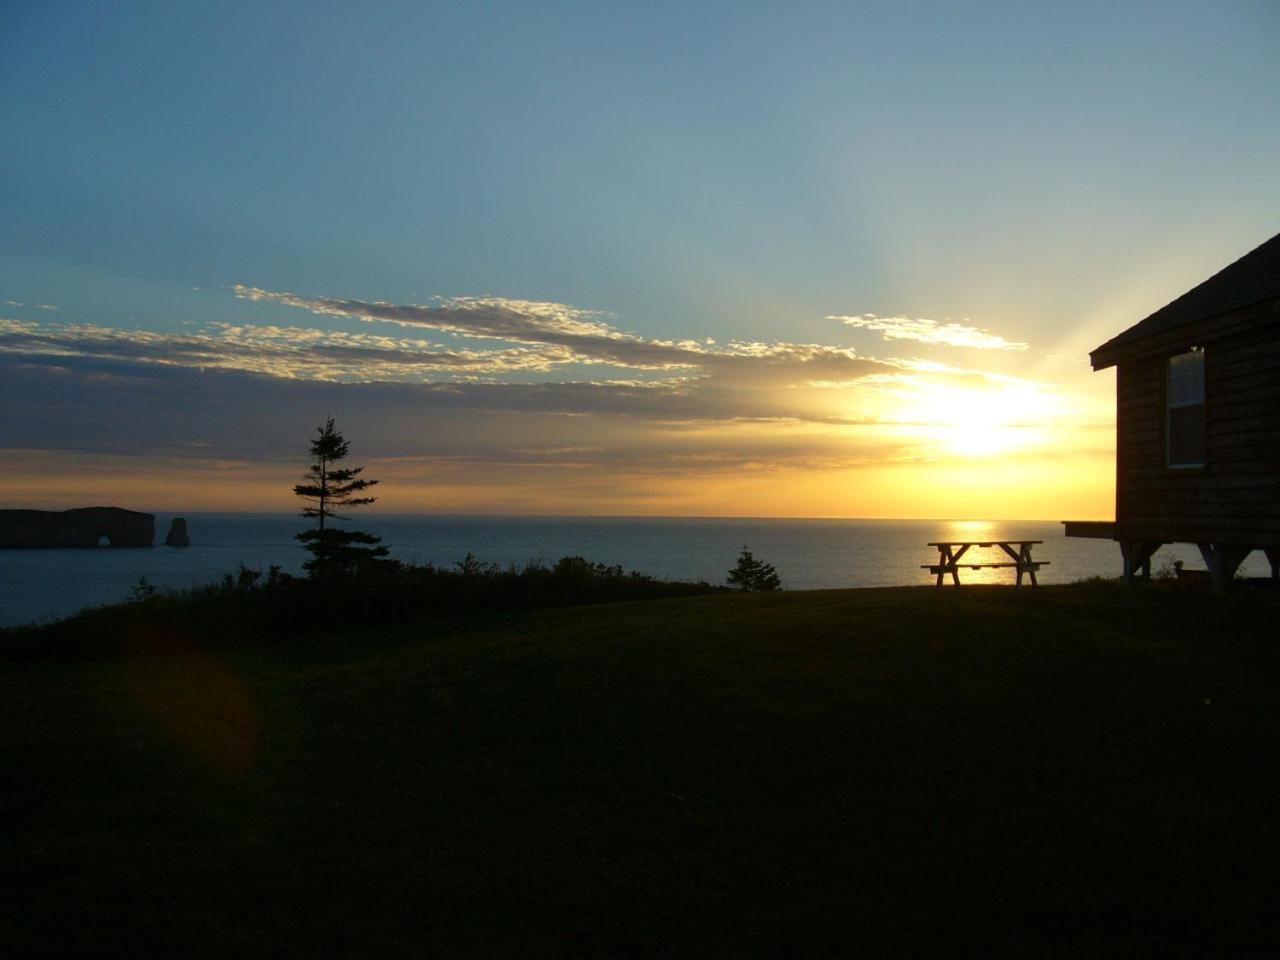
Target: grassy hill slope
{"type": "Point", "coordinates": [892, 772]}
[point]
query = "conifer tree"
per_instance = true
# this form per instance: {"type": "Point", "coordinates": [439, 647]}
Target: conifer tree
{"type": "Point", "coordinates": [753, 574]}
{"type": "Point", "coordinates": [327, 489]}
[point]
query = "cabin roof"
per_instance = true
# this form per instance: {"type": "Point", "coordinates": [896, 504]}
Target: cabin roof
{"type": "Point", "coordinates": [1253, 278]}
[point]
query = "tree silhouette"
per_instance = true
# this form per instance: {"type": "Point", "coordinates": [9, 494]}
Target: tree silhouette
{"type": "Point", "coordinates": [327, 490]}
{"type": "Point", "coordinates": [753, 574]}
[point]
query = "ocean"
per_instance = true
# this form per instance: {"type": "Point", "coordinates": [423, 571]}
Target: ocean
{"type": "Point", "coordinates": [39, 585]}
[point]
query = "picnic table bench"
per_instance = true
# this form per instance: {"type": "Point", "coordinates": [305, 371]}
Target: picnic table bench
{"type": "Point", "coordinates": [951, 553]}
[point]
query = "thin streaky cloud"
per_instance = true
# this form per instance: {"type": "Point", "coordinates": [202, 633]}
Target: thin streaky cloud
{"type": "Point", "coordinates": [501, 318]}
{"type": "Point", "coordinates": [924, 330]}
{"type": "Point", "coordinates": [593, 340]}
{"type": "Point", "coordinates": [305, 353]}
{"type": "Point", "coordinates": [289, 353]}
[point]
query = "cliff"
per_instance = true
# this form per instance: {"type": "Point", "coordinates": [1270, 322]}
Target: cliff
{"type": "Point", "coordinates": [85, 527]}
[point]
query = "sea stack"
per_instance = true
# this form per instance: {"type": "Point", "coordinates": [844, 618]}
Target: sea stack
{"type": "Point", "coordinates": [178, 533]}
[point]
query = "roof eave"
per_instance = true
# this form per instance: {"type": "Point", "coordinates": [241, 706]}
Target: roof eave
{"type": "Point", "coordinates": [1123, 346]}
{"type": "Point", "coordinates": [1102, 357]}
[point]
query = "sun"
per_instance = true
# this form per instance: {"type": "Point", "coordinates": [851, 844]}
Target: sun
{"type": "Point", "coordinates": [977, 422]}
{"type": "Point", "coordinates": [979, 440]}
{"type": "Point", "coordinates": [976, 427]}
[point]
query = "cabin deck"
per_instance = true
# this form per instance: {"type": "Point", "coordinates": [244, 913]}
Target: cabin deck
{"type": "Point", "coordinates": [1091, 529]}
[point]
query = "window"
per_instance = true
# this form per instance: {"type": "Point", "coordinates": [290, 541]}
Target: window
{"type": "Point", "coordinates": [1186, 423]}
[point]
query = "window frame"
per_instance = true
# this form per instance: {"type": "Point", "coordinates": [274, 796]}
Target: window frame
{"type": "Point", "coordinates": [1171, 385]}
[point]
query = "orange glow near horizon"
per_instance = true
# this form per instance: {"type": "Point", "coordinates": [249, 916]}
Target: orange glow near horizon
{"type": "Point", "coordinates": [1026, 486]}
{"type": "Point", "coordinates": [925, 444]}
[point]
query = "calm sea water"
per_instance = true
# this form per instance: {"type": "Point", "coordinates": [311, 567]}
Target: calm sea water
{"type": "Point", "coordinates": [37, 585]}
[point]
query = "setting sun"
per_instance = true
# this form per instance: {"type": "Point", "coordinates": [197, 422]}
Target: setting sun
{"type": "Point", "coordinates": [976, 425]}
{"type": "Point", "coordinates": [1000, 417]}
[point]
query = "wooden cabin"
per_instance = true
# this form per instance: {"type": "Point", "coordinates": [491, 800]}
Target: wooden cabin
{"type": "Point", "coordinates": [1198, 422]}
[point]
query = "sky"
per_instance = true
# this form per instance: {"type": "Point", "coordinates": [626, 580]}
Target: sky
{"type": "Point", "coordinates": [719, 259]}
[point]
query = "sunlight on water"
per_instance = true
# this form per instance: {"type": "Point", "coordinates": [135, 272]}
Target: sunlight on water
{"type": "Point", "coordinates": [959, 530]}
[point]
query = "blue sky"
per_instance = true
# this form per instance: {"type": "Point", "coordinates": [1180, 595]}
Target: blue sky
{"type": "Point", "coordinates": [1046, 173]}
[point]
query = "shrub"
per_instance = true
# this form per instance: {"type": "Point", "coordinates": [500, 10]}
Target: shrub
{"type": "Point", "coordinates": [247, 607]}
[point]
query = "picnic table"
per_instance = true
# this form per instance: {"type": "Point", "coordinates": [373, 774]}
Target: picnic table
{"type": "Point", "coordinates": [951, 554]}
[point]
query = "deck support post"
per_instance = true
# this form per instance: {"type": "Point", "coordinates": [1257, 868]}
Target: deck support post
{"type": "Point", "coordinates": [1137, 557]}
{"type": "Point", "coordinates": [1223, 559]}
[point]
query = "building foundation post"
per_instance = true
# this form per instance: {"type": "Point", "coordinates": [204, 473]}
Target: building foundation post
{"type": "Point", "coordinates": [1223, 560]}
{"type": "Point", "coordinates": [1137, 558]}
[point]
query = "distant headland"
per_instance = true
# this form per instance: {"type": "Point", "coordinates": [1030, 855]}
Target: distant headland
{"type": "Point", "coordinates": [85, 527]}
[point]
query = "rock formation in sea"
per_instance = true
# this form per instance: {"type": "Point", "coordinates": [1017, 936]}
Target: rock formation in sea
{"type": "Point", "coordinates": [85, 527]}
{"type": "Point", "coordinates": [178, 533]}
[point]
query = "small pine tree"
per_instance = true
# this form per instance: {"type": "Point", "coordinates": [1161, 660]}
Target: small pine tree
{"type": "Point", "coordinates": [753, 574]}
{"type": "Point", "coordinates": [329, 489]}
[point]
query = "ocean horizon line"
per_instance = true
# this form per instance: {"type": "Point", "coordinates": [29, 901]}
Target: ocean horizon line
{"type": "Point", "coordinates": [428, 515]}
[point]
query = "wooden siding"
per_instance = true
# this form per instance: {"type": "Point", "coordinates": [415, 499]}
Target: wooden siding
{"type": "Point", "coordinates": [1235, 497]}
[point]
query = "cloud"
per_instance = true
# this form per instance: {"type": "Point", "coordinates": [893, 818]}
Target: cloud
{"type": "Point", "coordinates": [287, 352]}
{"type": "Point", "coordinates": [509, 386]}
{"type": "Point", "coordinates": [543, 358]}
{"type": "Point", "coordinates": [495, 317]}
{"type": "Point", "coordinates": [591, 339]}
{"type": "Point", "coordinates": [923, 330]}
{"type": "Point", "coordinates": [306, 353]}
{"type": "Point", "coordinates": [109, 407]}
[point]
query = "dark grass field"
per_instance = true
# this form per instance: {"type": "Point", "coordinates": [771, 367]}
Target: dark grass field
{"type": "Point", "coordinates": [909, 772]}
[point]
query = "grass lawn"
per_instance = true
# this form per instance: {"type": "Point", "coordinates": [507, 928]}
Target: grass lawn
{"type": "Point", "coordinates": [905, 772]}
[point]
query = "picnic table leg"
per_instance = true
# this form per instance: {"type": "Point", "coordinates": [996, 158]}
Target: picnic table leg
{"type": "Point", "coordinates": [954, 559]}
{"type": "Point", "coordinates": [1018, 559]}
{"type": "Point", "coordinates": [1023, 560]}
